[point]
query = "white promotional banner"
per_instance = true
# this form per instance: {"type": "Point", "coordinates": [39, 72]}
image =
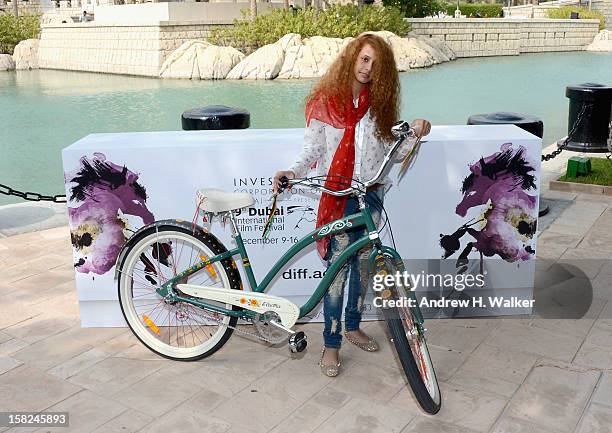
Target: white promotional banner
{"type": "Point", "coordinates": [455, 196]}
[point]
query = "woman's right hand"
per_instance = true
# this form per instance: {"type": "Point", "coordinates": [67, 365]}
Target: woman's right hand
{"type": "Point", "coordinates": [277, 182]}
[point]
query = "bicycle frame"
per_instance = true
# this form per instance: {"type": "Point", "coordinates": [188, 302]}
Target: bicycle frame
{"type": "Point", "coordinates": [357, 220]}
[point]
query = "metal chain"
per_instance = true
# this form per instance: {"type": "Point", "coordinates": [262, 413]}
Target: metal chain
{"type": "Point", "coordinates": [31, 196]}
{"type": "Point", "coordinates": [570, 135]}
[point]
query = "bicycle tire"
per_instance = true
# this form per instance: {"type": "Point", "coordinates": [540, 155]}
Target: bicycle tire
{"type": "Point", "coordinates": [402, 326]}
{"type": "Point", "coordinates": [225, 270]}
{"type": "Point", "coordinates": [404, 353]}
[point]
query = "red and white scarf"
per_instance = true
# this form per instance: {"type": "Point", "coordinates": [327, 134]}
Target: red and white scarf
{"type": "Point", "coordinates": [341, 170]}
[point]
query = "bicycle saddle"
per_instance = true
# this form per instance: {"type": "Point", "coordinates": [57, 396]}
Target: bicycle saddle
{"type": "Point", "coordinates": [217, 200]}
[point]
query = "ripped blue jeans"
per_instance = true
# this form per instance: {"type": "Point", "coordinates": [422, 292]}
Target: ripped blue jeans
{"type": "Point", "coordinates": [333, 299]}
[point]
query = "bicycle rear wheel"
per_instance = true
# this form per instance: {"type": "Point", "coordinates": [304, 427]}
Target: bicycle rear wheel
{"type": "Point", "coordinates": [177, 330]}
{"type": "Point", "coordinates": [411, 348]}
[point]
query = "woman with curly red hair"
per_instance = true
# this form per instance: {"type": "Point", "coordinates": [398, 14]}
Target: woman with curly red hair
{"type": "Point", "coordinates": [349, 115]}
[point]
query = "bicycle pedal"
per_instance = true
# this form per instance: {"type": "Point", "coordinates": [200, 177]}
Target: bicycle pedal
{"type": "Point", "coordinates": [298, 342]}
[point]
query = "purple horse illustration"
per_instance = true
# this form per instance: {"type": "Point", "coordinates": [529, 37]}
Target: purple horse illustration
{"type": "Point", "coordinates": [501, 184]}
{"type": "Point", "coordinates": [105, 193]}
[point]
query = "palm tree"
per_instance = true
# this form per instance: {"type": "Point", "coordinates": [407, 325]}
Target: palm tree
{"type": "Point", "coordinates": [286, 5]}
{"type": "Point", "coordinates": [253, 9]}
{"type": "Point", "coordinates": [15, 8]}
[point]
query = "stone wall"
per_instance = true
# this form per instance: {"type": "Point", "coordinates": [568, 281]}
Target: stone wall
{"type": "Point", "coordinates": [605, 7]}
{"type": "Point", "coordinates": [119, 49]}
{"type": "Point", "coordinates": [472, 37]}
{"type": "Point", "coordinates": [541, 10]}
{"type": "Point", "coordinates": [141, 49]}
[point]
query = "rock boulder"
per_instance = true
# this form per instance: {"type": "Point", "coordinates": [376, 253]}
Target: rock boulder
{"type": "Point", "coordinates": [601, 42]}
{"type": "Point", "coordinates": [26, 54]}
{"type": "Point", "coordinates": [6, 62]}
{"type": "Point", "coordinates": [267, 61]}
{"type": "Point", "coordinates": [292, 58]}
{"type": "Point", "coordinates": [199, 60]}
{"type": "Point", "coordinates": [415, 51]}
{"type": "Point", "coordinates": [313, 58]}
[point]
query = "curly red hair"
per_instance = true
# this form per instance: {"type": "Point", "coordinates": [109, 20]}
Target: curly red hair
{"type": "Point", "coordinates": [384, 86]}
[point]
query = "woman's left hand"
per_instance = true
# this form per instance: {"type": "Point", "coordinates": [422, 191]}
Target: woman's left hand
{"type": "Point", "coordinates": [421, 127]}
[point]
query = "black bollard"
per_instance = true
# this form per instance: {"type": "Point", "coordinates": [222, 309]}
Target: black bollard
{"type": "Point", "coordinates": [527, 122]}
{"type": "Point", "coordinates": [590, 115]}
{"type": "Point", "coordinates": [215, 117]}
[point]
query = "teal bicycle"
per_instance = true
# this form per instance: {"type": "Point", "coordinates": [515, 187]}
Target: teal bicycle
{"type": "Point", "coordinates": [181, 293]}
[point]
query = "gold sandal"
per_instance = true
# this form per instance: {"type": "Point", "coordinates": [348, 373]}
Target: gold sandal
{"type": "Point", "coordinates": [369, 346]}
{"type": "Point", "coordinates": [329, 370]}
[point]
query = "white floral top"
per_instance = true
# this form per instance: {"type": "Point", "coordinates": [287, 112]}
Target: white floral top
{"type": "Point", "coordinates": [321, 141]}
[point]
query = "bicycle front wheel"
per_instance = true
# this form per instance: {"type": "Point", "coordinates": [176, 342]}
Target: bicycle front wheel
{"type": "Point", "coordinates": [414, 356]}
{"type": "Point", "coordinates": [177, 330]}
{"type": "Point", "coordinates": [410, 344]}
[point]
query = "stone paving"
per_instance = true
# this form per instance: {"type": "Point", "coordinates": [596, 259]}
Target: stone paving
{"type": "Point", "coordinates": [498, 375]}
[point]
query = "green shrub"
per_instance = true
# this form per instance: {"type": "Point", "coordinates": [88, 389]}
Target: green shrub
{"type": "Point", "coordinates": [470, 10]}
{"type": "Point", "coordinates": [333, 22]}
{"type": "Point", "coordinates": [415, 8]}
{"type": "Point", "coordinates": [14, 30]}
{"type": "Point", "coordinates": [584, 14]}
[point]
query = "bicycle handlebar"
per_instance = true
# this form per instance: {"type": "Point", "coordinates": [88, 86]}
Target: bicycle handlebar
{"type": "Point", "coordinates": [401, 130]}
